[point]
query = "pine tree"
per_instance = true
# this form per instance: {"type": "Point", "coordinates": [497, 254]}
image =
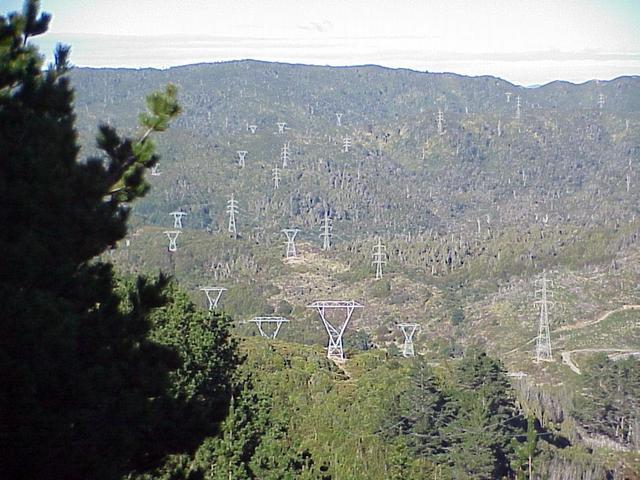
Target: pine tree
{"type": "Point", "coordinates": [609, 404]}
{"type": "Point", "coordinates": [531, 445]}
{"type": "Point", "coordinates": [486, 418]}
{"type": "Point", "coordinates": [427, 411]}
{"type": "Point", "coordinates": [84, 390]}
{"type": "Point", "coordinates": [242, 431]}
{"type": "Point", "coordinates": [473, 436]}
{"type": "Point", "coordinates": [200, 388]}
{"type": "Point", "coordinates": [524, 453]}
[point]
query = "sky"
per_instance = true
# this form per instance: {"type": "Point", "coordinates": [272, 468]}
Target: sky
{"type": "Point", "coordinates": [527, 42]}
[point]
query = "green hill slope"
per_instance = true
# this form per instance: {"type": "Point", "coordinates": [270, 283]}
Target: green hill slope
{"type": "Point", "coordinates": [471, 215]}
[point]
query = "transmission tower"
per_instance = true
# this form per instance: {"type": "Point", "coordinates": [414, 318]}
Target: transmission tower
{"type": "Point", "coordinates": [408, 329]}
{"type": "Point", "coordinates": [284, 155]}
{"type": "Point", "coordinates": [339, 119]}
{"type": "Point", "coordinates": [154, 170]}
{"type": "Point", "coordinates": [281, 127]}
{"type": "Point", "coordinates": [277, 321]}
{"type": "Point", "coordinates": [543, 341]}
{"type": "Point", "coordinates": [440, 120]}
{"type": "Point", "coordinates": [232, 210]}
{"type": "Point", "coordinates": [276, 177]}
{"type": "Point", "coordinates": [518, 108]}
{"type": "Point", "coordinates": [326, 233]}
{"type": "Point", "coordinates": [173, 237]}
{"type": "Point", "coordinates": [508, 94]}
{"type": "Point", "coordinates": [241, 156]}
{"type": "Point", "coordinates": [177, 218]}
{"type": "Point", "coordinates": [346, 144]}
{"type": "Point", "coordinates": [213, 295]}
{"type": "Point", "coordinates": [335, 332]}
{"type": "Point", "coordinates": [291, 246]}
{"type": "Point", "coordinates": [379, 258]}
{"type": "Point", "coordinates": [601, 101]}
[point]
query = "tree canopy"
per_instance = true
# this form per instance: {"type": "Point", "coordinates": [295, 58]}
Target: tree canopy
{"type": "Point", "coordinates": [87, 390]}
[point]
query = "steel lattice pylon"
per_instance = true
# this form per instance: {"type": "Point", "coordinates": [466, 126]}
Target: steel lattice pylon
{"type": "Point", "coordinates": [242, 155]}
{"type": "Point", "coordinates": [409, 329]}
{"type": "Point", "coordinates": [215, 298]}
{"type": "Point", "coordinates": [291, 246]}
{"type": "Point", "coordinates": [543, 341]}
{"type": "Point", "coordinates": [379, 258]}
{"type": "Point", "coordinates": [326, 232]}
{"type": "Point", "coordinates": [172, 235]}
{"type": "Point", "coordinates": [334, 348]}
{"type": "Point", "coordinates": [177, 218]}
{"type": "Point", "coordinates": [277, 321]}
{"type": "Point", "coordinates": [232, 210]}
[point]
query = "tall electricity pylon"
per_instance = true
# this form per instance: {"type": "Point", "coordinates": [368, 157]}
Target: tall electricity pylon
{"type": "Point", "coordinates": [276, 177]}
{"type": "Point", "coordinates": [379, 258]}
{"type": "Point", "coordinates": [172, 235]}
{"type": "Point", "coordinates": [284, 155]}
{"type": "Point", "coordinates": [213, 296]}
{"type": "Point", "coordinates": [177, 218]}
{"type": "Point", "coordinates": [242, 154]}
{"type": "Point", "coordinates": [346, 144]}
{"type": "Point", "coordinates": [408, 329]}
{"type": "Point", "coordinates": [291, 246]}
{"type": "Point", "coordinates": [275, 321]}
{"type": "Point", "coordinates": [232, 210]}
{"type": "Point", "coordinates": [543, 341]}
{"type": "Point", "coordinates": [440, 121]}
{"type": "Point", "coordinates": [335, 332]}
{"type": "Point", "coordinates": [326, 233]}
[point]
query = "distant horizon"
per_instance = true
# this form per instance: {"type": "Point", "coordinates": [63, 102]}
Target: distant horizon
{"type": "Point", "coordinates": [163, 52]}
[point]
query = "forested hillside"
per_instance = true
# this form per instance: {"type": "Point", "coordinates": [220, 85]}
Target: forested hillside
{"type": "Point", "coordinates": [567, 159]}
{"type": "Point", "coordinates": [475, 186]}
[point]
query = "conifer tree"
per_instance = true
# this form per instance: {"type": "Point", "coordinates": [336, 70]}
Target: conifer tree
{"type": "Point", "coordinates": [427, 411]}
{"type": "Point", "coordinates": [525, 453]}
{"type": "Point", "coordinates": [474, 440]}
{"type": "Point", "coordinates": [486, 419]}
{"type": "Point", "coordinates": [85, 391]}
{"type": "Point", "coordinates": [610, 402]}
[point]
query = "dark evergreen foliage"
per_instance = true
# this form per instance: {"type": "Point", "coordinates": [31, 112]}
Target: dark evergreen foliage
{"type": "Point", "coordinates": [86, 393]}
{"type": "Point", "coordinates": [428, 412]}
{"type": "Point", "coordinates": [469, 424]}
{"type": "Point", "coordinates": [610, 401]}
{"type": "Point", "coordinates": [486, 419]}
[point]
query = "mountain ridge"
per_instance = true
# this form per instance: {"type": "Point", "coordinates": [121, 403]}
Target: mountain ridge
{"type": "Point", "coordinates": [364, 65]}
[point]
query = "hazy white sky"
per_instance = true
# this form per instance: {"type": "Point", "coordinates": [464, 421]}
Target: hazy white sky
{"type": "Point", "coordinates": [524, 41]}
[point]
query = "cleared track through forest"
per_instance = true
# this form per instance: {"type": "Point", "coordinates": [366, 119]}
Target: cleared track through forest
{"type": "Point", "coordinates": [577, 326]}
{"type": "Point", "coordinates": [619, 353]}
